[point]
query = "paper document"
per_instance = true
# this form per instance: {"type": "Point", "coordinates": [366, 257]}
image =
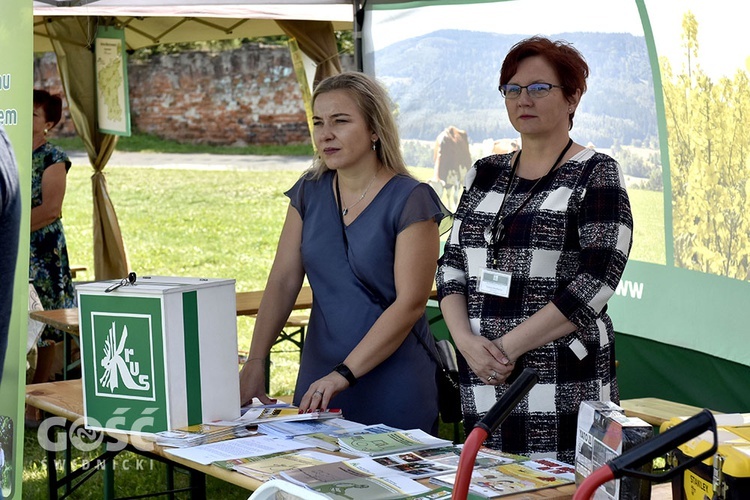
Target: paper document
{"type": "Point", "coordinates": [236, 448]}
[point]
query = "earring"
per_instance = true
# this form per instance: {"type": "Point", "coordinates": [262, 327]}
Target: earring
{"type": "Point", "coordinates": [373, 145]}
{"type": "Point", "coordinates": [570, 110]}
{"type": "Point", "coordinates": [45, 131]}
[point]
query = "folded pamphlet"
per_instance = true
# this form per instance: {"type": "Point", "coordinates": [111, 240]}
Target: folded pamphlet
{"type": "Point", "coordinates": [387, 443]}
{"type": "Point", "coordinates": [507, 479]}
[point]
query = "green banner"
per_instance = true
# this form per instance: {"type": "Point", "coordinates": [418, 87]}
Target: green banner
{"type": "Point", "coordinates": [16, 85]}
{"type": "Point", "coordinates": [667, 98]}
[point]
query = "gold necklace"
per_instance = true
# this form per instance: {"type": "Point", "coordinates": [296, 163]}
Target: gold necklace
{"type": "Point", "coordinates": [345, 210]}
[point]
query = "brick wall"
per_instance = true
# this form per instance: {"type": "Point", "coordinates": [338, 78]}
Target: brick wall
{"type": "Point", "coordinates": [248, 95]}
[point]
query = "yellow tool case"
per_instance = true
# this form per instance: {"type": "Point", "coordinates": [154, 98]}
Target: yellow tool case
{"type": "Point", "coordinates": [726, 475]}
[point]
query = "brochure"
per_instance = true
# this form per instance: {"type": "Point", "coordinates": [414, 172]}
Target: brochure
{"type": "Point", "coordinates": [255, 416]}
{"type": "Point", "coordinates": [290, 429]}
{"type": "Point", "coordinates": [319, 440]}
{"type": "Point", "coordinates": [552, 466]}
{"type": "Point", "coordinates": [416, 464]}
{"type": "Point", "coordinates": [508, 479]}
{"type": "Point", "coordinates": [372, 488]}
{"type": "Point", "coordinates": [268, 467]}
{"type": "Point", "coordinates": [194, 435]}
{"type": "Point", "coordinates": [374, 445]}
{"type": "Point", "coordinates": [335, 472]}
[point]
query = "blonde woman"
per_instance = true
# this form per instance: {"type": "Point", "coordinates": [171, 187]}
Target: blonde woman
{"type": "Point", "coordinates": [365, 233]}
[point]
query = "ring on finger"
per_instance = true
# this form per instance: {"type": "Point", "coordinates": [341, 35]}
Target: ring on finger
{"type": "Point", "coordinates": [494, 374]}
{"type": "Point", "coordinates": [490, 378]}
{"type": "Point", "coordinates": [318, 392]}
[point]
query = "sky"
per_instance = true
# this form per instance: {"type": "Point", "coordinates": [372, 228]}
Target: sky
{"type": "Point", "coordinates": [718, 22]}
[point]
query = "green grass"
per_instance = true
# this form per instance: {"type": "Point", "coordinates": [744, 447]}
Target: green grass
{"type": "Point", "coordinates": [150, 143]}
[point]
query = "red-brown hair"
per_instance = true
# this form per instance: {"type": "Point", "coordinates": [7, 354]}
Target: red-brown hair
{"type": "Point", "coordinates": [566, 60]}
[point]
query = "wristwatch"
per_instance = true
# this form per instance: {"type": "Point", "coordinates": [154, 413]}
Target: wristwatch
{"type": "Point", "coordinates": [345, 372]}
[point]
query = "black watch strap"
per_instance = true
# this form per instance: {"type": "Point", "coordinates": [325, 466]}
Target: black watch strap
{"type": "Point", "coordinates": [345, 372]}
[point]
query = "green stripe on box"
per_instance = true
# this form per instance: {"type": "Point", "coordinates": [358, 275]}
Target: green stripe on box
{"type": "Point", "coordinates": [192, 357]}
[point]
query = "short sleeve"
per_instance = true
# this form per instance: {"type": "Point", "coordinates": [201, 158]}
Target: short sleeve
{"type": "Point", "coordinates": [296, 195]}
{"type": "Point", "coordinates": [57, 155]}
{"type": "Point", "coordinates": [424, 204]}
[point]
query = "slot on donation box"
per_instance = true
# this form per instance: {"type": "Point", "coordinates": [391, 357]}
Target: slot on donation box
{"type": "Point", "coordinates": [158, 354]}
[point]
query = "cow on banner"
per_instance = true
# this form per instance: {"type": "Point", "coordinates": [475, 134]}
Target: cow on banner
{"type": "Point", "coordinates": [452, 160]}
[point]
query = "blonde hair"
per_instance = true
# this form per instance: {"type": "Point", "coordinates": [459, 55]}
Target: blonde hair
{"type": "Point", "coordinates": [373, 102]}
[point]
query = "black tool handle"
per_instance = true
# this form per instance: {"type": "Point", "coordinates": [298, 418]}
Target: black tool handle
{"type": "Point", "coordinates": [508, 401]}
{"type": "Point", "coordinates": [627, 463]}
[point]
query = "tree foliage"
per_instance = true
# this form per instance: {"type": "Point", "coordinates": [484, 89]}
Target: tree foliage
{"type": "Point", "coordinates": [709, 144]}
{"type": "Point", "coordinates": [344, 42]}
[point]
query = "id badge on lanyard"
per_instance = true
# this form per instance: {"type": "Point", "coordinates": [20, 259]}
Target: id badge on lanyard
{"type": "Point", "coordinates": [494, 282]}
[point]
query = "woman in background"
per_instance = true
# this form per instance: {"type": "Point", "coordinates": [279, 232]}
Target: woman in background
{"type": "Point", "coordinates": [49, 270]}
{"type": "Point", "coordinates": [541, 238]}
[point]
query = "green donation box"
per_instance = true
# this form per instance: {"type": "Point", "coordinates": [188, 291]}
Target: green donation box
{"type": "Point", "coordinates": [158, 354]}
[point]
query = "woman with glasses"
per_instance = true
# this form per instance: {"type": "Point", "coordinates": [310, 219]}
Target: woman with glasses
{"type": "Point", "coordinates": [48, 256]}
{"type": "Point", "coordinates": [540, 240]}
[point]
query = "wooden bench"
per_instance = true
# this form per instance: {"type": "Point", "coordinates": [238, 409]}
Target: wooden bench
{"type": "Point", "coordinates": [656, 411]}
{"type": "Point", "coordinates": [293, 332]}
{"type": "Point", "coordinates": [74, 270]}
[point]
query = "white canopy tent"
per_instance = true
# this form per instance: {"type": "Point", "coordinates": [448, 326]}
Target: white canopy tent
{"type": "Point", "coordinates": [69, 27]}
{"type": "Point", "coordinates": [151, 23]}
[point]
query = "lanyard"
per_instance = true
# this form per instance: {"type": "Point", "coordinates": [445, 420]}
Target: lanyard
{"type": "Point", "coordinates": [497, 229]}
{"type": "Point", "coordinates": [341, 214]}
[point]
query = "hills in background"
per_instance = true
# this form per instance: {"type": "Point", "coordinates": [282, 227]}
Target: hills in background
{"type": "Point", "coordinates": [450, 77]}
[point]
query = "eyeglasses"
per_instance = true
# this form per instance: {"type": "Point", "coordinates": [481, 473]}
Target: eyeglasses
{"type": "Point", "coordinates": [535, 90]}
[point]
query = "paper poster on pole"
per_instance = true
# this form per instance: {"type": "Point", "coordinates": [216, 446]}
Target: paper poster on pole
{"type": "Point", "coordinates": [112, 96]}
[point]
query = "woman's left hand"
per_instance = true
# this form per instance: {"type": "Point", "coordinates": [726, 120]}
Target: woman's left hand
{"type": "Point", "coordinates": [320, 392]}
{"type": "Point", "coordinates": [485, 359]}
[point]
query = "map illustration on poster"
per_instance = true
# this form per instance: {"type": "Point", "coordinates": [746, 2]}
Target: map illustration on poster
{"type": "Point", "coordinates": [111, 81]}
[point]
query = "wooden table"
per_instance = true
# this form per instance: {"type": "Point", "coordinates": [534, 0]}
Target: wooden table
{"type": "Point", "coordinates": [248, 304]}
{"type": "Point", "coordinates": [656, 411]}
{"type": "Point", "coordinates": [65, 320]}
{"type": "Point", "coordinates": [65, 399]}
{"type": "Point", "coordinates": [74, 270]}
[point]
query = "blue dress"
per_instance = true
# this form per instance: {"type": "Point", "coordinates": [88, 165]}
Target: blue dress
{"type": "Point", "coordinates": [48, 257]}
{"type": "Point", "coordinates": [401, 391]}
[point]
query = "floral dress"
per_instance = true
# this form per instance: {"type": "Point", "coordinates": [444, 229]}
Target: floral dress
{"type": "Point", "coordinates": [567, 240]}
{"type": "Point", "coordinates": [49, 270]}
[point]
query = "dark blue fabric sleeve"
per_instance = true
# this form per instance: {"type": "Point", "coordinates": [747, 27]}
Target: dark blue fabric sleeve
{"type": "Point", "coordinates": [424, 204]}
